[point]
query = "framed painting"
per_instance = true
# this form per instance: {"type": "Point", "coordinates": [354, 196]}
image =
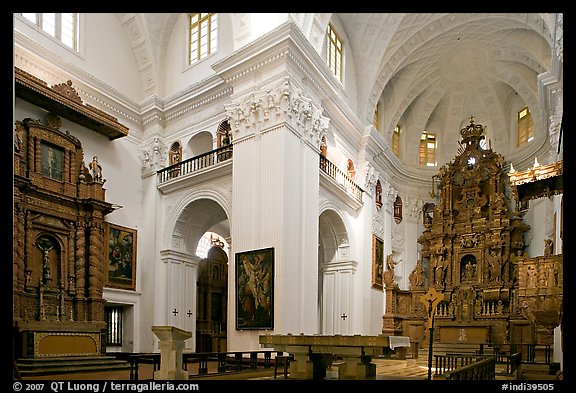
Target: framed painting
{"type": "Point", "coordinates": [377, 262]}
{"type": "Point", "coordinates": [52, 160]}
{"type": "Point", "coordinates": [255, 289]}
{"type": "Point", "coordinates": [121, 243]}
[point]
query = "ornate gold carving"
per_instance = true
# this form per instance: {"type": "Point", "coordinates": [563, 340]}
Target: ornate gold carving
{"type": "Point", "coordinates": [62, 99]}
{"type": "Point", "coordinates": [471, 252]}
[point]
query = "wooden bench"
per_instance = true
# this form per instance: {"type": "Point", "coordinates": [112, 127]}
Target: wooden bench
{"type": "Point", "coordinates": [284, 361]}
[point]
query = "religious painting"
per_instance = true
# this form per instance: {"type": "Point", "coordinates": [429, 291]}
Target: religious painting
{"type": "Point", "coordinates": [255, 289]}
{"type": "Point", "coordinates": [377, 262]}
{"type": "Point", "coordinates": [52, 161]}
{"type": "Point", "coordinates": [121, 248]}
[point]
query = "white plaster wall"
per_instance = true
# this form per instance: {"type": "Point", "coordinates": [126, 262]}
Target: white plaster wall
{"type": "Point", "coordinates": [275, 205]}
{"type": "Point", "coordinates": [179, 75]}
{"type": "Point", "coordinates": [108, 58]}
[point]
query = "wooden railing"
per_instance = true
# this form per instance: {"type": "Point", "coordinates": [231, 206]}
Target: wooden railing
{"type": "Point", "coordinates": [340, 177]}
{"type": "Point", "coordinates": [195, 163]}
{"type": "Point", "coordinates": [224, 362]}
{"type": "Point", "coordinates": [448, 363]}
{"type": "Point", "coordinates": [478, 368]}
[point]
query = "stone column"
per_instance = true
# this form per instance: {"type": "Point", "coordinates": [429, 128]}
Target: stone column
{"type": "Point", "coordinates": [171, 344]}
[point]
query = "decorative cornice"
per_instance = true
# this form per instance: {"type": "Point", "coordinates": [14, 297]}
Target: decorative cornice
{"type": "Point", "coordinates": [63, 100]}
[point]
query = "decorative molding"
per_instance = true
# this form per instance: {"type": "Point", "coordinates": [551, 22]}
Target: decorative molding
{"type": "Point", "coordinates": [62, 99]}
{"type": "Point", "coordinates": [265, 109]}
{"type": "Point", "coordinates": [371, 177]}
{"type": "Point", "coordinates": [153, 156]}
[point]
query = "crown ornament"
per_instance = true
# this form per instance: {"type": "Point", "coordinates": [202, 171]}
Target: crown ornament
{"type": "Point", "coordinates": [472, 133]}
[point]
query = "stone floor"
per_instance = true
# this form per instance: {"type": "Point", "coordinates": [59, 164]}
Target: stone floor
{"type": "Point", "coordinates": [385, 369]}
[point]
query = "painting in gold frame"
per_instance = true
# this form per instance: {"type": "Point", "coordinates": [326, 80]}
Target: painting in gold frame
{"type": "Point", "coordinates": [121, 252]}
{"type": "Point", "coordinates": [377, 262]}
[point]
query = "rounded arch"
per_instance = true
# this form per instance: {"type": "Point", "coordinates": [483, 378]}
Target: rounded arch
{"type": "Point", "coordinates": [195, 214]}
{"type": "Point", "coordinates": [336, 271]}
{"type": "Point", "coordinates": [199, 143]}
{"type": "Point", "coordinates": [333, 236]}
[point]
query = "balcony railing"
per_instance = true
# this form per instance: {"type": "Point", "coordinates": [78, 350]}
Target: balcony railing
{"type": "Point", "coordinates": [195, 163]}
{"type": "Point", "coordinates": [225, 153]}
{"type": "Point", "coordinates": [341, 178]}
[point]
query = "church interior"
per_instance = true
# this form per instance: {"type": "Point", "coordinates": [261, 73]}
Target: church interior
{"type": "Point", "coordinates": [245, 175]}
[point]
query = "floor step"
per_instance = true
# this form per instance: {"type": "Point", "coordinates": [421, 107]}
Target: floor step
{"type": "Point", "coordinates": [62, 365]}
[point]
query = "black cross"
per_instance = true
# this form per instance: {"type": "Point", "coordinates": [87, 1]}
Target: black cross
{"type": "Point", "coordinates": [174, 312]}
{"type": "Point", "coordinates": [344, 316]}
{"type": "Point", "coordinates": [189, 313]}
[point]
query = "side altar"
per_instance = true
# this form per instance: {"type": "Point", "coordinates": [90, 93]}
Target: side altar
{"type": "Point", "coordinates": [356, 352]}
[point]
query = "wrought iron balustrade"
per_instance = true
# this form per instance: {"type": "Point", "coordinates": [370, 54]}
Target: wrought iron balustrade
{"type": "Point", "coordinates": [195, 163]}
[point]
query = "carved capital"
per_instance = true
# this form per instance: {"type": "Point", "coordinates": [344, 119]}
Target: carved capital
{"type": "Point", "coordinates": [285, 104]}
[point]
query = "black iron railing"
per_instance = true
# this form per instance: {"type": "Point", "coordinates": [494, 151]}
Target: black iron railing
{"type": "Point", "coordinates": [195, 163]}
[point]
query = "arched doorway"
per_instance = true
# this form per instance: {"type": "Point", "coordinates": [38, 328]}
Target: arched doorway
{"type": "Point", "coordinates": [212, 297]}
{"type": "Point", "coordinates": [335, 276]}
{"type": "Point", "coordinates": [187, 272]}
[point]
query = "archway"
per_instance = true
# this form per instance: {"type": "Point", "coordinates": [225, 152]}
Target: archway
{"type": "Point", "coordinates": [335, 275]}
{"type": "Point", "coordinates": [184, 268]}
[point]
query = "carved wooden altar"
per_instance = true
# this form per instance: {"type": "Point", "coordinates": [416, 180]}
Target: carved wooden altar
{"type": "Point", "coordinates": [473, 253]}
{"type": "Point", "coordinates": [59, 249]}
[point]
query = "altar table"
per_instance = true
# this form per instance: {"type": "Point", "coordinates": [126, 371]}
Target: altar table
{"type": "Point", "coordinates": [310, 350]}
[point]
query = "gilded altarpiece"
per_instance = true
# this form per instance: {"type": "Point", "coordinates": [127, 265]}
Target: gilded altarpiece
{"type": "Point", "coordinates": [473, 252]}
{"type": "Point", "coordinates": [59, 244]}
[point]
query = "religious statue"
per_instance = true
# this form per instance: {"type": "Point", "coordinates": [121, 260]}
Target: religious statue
{"type": "Point", "coordinates": [416, 278]}
{"type": "Point", "coordinates": [389, 273]}
{"type": "Point", "coordinates": [45, 247]}
{"type": "Point", "coordinates": [96, 170]}
{"type": "Point", "coordinates": [548, 247]}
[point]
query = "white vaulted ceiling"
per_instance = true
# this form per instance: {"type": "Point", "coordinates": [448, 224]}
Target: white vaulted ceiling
{"type": "Point", "coordinates": [429, 71]}
{"type": "Point", "coordinates": [433, 71]}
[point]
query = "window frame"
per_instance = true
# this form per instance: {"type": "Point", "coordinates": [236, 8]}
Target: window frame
{"type": "Point", "coordinates": [395, 142]}
{"type": "Point", "coordinates": [116, 313]}
{"type": "Point", "coordinates": [38, 25]}
{"type": "Point", "coordinates": [524, 127]}
{"type": "Point", "coordinates": [339, 53]}
{"type": "Point", "coordinates": [197, 52]}
{"type": "Point", "coordinates": [424, 149]}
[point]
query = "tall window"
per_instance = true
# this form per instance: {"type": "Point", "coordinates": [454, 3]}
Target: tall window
{"type": "Point", "coordinates": [62, 26]}
{"type": "Point", "coordinates": [113, 317]}
{"type": "Point", "coordinates": [428, 149]}
{"type": "Point", "coordinates": [396, 141]}
{"type": "Point", "coordinates": [203, 36]}
{"type": "Point", "coordinates": [525, 127]}
{"type": "Point", "coordinates": [334, 52]}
